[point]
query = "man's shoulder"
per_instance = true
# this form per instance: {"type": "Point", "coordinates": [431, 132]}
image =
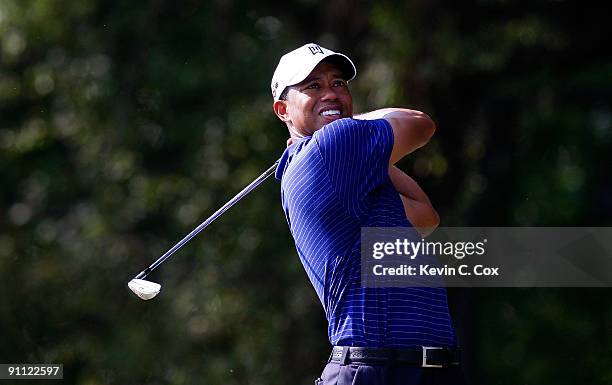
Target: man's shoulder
{"type": "Point", "coordinates": [350, 125]}
{"type": "Point", "coordinates": [341, 124]}
{"type": "Point", "coordinates": [350, 133]}
{"type": "Point", "coordinates": [333, 144]}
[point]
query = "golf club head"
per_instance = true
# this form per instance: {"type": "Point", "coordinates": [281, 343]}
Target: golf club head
{"type": "Point", "coordinates": [144, 289]}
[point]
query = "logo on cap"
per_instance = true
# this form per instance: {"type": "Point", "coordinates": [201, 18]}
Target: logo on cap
{"type": "Point", "coordinates": [274, 87]}
{"type": "Point", "coordinates": [315, 49]}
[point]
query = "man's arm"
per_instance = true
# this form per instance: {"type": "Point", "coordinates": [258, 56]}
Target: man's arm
{"type": "Point", "coordinates": [411, 129]}
{"type": "Point", "coordinates": [417, 206]}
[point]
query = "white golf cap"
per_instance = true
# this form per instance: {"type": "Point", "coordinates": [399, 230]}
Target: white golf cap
{"type": "Point", "coordinates": [296, 65]}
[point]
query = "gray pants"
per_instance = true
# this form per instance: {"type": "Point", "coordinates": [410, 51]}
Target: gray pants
{"type": "Point", "coordinates": [389, 374]}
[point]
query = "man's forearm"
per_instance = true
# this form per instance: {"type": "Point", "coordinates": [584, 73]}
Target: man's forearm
{"type": "Point", "coordinates": [407, 186]}
{"type": "Point", "coordinates": [417, 205]}
{"type": "Point", "coordinates": [380, 114]}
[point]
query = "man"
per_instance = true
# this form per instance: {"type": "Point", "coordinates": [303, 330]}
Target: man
{"type": "Point", "coordinates": [337, 176]}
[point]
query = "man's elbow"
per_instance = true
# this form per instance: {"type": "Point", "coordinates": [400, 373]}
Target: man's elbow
{"type": "Point", "coordinates": [427, 127]}
{"type": "Point", "coordinates": [421, 215]}
{"type": "Point", "coordinates": [430, 224]}
{"type": "Point", "coordinates": [411, 130]}
{"type": "Point", "coordinates": [432, 219]}
{"type": "Point", "coordinates": [435, 218]}
{"type": "Point", "coordinates": [418, 127]}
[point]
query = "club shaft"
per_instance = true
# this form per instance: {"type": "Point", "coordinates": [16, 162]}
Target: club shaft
{"type": "Point", "coordinates": [208, 221]}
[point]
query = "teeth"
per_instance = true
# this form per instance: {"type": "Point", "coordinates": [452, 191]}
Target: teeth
{"type": "Point", "coordinates": [330, 112]}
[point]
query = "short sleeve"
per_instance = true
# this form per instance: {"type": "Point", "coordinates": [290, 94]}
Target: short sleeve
{"type": "Point", "coordinates": [356, 155]}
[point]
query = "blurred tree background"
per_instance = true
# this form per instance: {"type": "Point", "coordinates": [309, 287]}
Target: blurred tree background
{"type": "Point", "coordinates": [124, 124]}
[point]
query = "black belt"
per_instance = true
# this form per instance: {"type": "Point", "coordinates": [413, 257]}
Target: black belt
{"type": "Point", "coordinates": [426, 357]}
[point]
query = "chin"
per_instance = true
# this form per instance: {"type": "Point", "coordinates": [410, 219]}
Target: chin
{"type": "Point", "coordinates": [330, 120]}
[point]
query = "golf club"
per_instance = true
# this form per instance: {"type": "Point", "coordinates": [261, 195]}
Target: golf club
{"type": "Point", "coordinates": [147, 289]}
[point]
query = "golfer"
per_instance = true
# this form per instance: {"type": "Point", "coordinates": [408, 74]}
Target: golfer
{"type": "Point", "coordinates": [338, 175]}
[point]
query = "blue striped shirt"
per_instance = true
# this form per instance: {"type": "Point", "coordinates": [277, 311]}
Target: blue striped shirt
{"type": "Point", "coordinates": [333, 183]}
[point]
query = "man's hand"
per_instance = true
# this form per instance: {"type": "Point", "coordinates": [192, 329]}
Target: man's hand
{"type": "Point", "coordinates": [417, 206]}
{"type": "Point", "coordinates": [411, 129]}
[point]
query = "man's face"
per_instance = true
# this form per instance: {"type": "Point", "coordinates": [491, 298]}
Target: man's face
{"type": "Point", "coordinates": [318, 100]}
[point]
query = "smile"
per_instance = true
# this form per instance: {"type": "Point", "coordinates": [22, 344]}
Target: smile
{"type": "Point", "coordinates": [331, 113]}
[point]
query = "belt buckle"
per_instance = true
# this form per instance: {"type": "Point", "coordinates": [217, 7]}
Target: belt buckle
{"type": "Point", "coordinates": [424, 364]}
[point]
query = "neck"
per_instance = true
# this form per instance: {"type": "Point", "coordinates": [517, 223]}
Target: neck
{"type": "Point", "coordinates": [295, 134]}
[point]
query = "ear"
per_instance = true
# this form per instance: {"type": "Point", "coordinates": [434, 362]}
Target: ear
{"type": "Point", "coordinates": [280, 109]}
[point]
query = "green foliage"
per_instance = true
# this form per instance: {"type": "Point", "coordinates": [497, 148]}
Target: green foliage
{"type": "Point", "coordinates": [123, 124]}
